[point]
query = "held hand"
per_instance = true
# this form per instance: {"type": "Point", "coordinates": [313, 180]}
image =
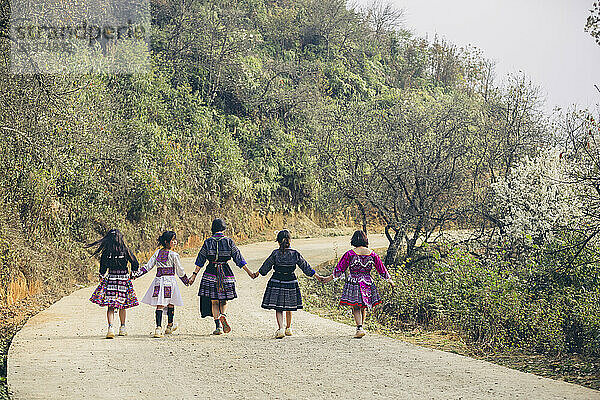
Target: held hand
{"type": "Point", "coordinates": [391, 282]}
{"type": "Point", "coordinates": [323, 279]}
{"type": "Point", "coordinates": [255, 275]}
{"type": "Point", "coordinates": [191, 280]}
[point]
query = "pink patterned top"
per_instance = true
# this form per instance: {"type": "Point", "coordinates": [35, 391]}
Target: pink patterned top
{"type": "Point", "coordinates": [360, 267]}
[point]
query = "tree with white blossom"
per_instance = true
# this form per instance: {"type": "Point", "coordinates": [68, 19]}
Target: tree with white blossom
{"type": "Point", "coordinates": [537, 198]}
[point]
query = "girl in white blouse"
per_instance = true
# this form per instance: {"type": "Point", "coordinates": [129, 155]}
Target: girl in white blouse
{"type": "Point", "coordinates": [164, 290]}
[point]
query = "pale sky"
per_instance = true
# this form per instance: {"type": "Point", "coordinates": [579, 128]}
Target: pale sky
{"type": "Point", "coordinates": [543, 38]}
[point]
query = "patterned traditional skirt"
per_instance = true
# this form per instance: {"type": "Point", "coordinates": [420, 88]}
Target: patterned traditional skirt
{"type": "Point", "coordinates": [116, 290]}
{"type": "Point", "coordinates": [282, 295]}
{"type": "Point", "coordinates": [163, 291]}
{"type": "Point", "coordinates": [352, 295]}
{"type": "Point", "coordinates": [218, 287]}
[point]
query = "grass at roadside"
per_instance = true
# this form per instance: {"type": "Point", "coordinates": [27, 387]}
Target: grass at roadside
{"type": "Point", "coordinates": [323, 300]}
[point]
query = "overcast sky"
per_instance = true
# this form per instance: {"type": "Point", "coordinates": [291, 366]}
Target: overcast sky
{"type": "Point", "coordinates": [543, 38]}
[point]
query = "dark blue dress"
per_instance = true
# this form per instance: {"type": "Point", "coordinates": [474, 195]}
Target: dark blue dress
{"type": "Point", "coordinates": [218, 281]}
{"type": "Point", "coordinates": [282, 292]}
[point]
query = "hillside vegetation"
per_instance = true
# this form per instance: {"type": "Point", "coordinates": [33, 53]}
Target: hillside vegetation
{"type": "Point", "coordinates": [265, 111]}
{"type": "Point", "coordinates": [227, 121]}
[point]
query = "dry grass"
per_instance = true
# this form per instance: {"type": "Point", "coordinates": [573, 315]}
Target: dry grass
{"type": "Point", "coordinates": [323, 301]}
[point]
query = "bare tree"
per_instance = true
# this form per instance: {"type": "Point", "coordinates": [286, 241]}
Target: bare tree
{"type": "Point", "coordinates": [408, 161]}
{"type": "Point", "coordinates": [383, 16]}
{"type": "Point", "coordinates": [581, 131]}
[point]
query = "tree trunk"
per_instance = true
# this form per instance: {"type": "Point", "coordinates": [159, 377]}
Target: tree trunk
{"type": "Point", "coordinates": [363, 213]}
{"type": "Point", "coordinates": [410, 247]}
{"type": "Point", "coordinates": [391, 256]}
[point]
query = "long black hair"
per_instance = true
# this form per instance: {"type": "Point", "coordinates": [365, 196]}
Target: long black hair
{"type": "Point", "coordinates": [111, 243]}
{"type": "Point", "coordinates": [166, 237]}
{"type": "Point", "coordinates": [284, 237]}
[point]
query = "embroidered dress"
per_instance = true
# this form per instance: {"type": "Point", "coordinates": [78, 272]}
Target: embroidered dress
{"type": "Point", "coordinates": [282, 292]}
{"type": "Point", "coordinates": [115, 289]}
{"type": "Point", "coordinates": [218, 281]}
{"type": "Point", "coordinates": [164, 289]}
{"type": "Point", "coordinates": [359, 289]}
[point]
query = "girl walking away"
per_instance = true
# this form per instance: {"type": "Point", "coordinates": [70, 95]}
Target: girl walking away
{"type": "Point", "coordinates": [115, 290]}
{"type": "Point", "coordinates": [359, 291]}
{"type": "Point", "coordinates": [218, 282]}
{"type": "Point", "coordinates": [282, 292]}
{"type": "Point", "coordinates": [164, 291]}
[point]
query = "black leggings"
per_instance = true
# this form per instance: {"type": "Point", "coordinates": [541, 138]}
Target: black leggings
{"type": "Point", "coordinates": [170, 315]}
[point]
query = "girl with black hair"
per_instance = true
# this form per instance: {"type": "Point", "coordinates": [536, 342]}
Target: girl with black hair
{"type": "Point", "coordinates": [360, 293]}
{"type": "Point", "coordinates": [218, 282]}
{"type": "Point", "coordinates": [282, 292]}
{"type": "Point", "coordinates": [164, 290]}
{"type": "Point", "coordinates": [115, 290]}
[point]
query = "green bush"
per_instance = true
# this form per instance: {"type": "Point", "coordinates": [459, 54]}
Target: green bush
{"type": "Point", "coordinates": [499, 303]}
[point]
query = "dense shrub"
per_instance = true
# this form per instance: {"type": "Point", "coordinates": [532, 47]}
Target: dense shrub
{"type": "Point", "coordinates": [539, 303]}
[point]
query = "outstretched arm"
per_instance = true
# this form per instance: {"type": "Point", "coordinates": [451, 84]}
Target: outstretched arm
{"type": "Point", "coordinates": [381, 270]}
{"type": "Point", "coordinates": [266, 266]}
{"type": "Point", "coordinates": [135, 265]}
{"type": "Point", "coordinates": [324, 279]}
{"type": "Point", "coordinates": [250, 273]}
{"type": "Point", "coordinates": [149, 265]}
{"type": "Point", "coordinates": [339, 269]}
{"type": "Point", "coordinates": [306, 268]}
{"type": "Point", "coordinates": [236, 256]}
{"type": "Point", "coordinates": [179, 269]}
{"type": "Point", "coordinates": [103, 266]}
{"type": "Point", "coordinates": [200, 261]}
{"type": "Point", "coordinates": [238, 259]}
{"type": "Point", "coordinates": [341, 266]}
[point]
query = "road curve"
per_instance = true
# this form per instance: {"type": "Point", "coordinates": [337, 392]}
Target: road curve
{"type": "Point", "coordinates": [61, 354]}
